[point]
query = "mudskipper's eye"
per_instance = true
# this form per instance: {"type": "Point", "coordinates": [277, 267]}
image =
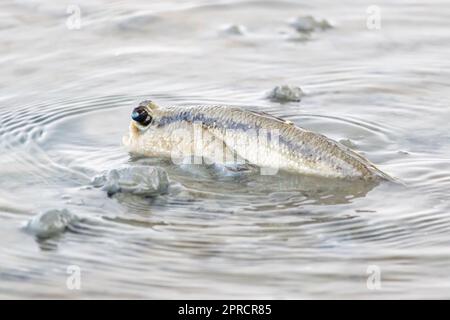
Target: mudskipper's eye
{"type": "Point", "coordinates": [141, 116]}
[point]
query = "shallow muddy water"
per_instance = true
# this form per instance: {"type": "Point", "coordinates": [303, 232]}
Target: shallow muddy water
{"type": "Point", "coordinates": [66, 96]}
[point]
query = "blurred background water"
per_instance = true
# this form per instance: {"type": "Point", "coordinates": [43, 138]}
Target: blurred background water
{"type": "Point", "coordinates": [66, 94]}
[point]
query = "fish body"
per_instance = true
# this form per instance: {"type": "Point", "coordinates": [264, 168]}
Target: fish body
{"type": "Point", "coordinates": [224, 134]}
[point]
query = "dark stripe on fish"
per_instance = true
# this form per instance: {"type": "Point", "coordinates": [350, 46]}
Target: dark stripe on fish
{"type": "Point", "coordinates": [205, 120]}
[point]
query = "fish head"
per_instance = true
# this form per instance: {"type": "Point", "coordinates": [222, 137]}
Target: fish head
{"type": "Point", "coordinates": [142, 126]}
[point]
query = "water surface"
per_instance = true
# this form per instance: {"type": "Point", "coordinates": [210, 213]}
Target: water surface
{"type": "Point", "coordinates": [65, 103]}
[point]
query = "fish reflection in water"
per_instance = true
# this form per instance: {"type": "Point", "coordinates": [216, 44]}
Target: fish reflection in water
{"type": "Point", "coordinates": [246, 179]}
